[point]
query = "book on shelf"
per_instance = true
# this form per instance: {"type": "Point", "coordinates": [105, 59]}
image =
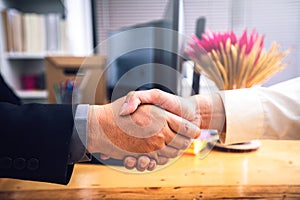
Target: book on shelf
{"type": "Point", "coordinates": [34, 33]}
{"type": "Point", "coordinates": [52, 28]}
{"type": "Point", "coordinates": [7, 16]}
{"type": "Point", "coordinates": [16, 20]}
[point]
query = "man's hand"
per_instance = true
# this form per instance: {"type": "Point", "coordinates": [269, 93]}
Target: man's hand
{"type": "Point", "coordinates": [198, 109]}
{"type": "Point", "coordinates": [186, 108]}
{"type": "Point", "coordinates": [149, 131]}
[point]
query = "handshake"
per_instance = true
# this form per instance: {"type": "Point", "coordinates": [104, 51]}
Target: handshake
{"type": "Point", "coordinates": [147, 128]}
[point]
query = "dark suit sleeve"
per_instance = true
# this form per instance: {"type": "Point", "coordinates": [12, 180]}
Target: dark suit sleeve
{"type": "Point", "coordinates": [34, 142]}
{"type": "Point", "coordinates": [6, 93]}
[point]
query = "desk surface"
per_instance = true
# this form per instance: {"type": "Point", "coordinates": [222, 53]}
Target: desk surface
{"type": "Point", "coordinates": [271, 172]}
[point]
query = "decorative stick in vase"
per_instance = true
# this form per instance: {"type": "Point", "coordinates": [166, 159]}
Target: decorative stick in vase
{"type": "Point", "coordinates": [233, 62]}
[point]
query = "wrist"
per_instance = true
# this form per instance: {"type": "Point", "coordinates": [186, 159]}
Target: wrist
{"type": "Point", "coordinates": [204, 108]}
{"type": "Point", "coordinates": [218, 113]}
{"type": "Point", "coordinates": [211, 111]}
{"type": "Point", "coordinates": [94, 129]}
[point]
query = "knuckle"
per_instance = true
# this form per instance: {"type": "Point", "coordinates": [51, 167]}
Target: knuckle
{"type": "Point", "coordinates": [174, 154]}
{"type": "Point", "coordinates": [186, 143]}
{"type": "Point", "coordinates": [161, 137]}
{"type": "Point", "coordinates": [191, 130]}
{"type": "Point", "coordinates": [156, 92]}
{"type": "Point", "coordinates": [187, 127]}
{"type": "Point", "coordinates": [131, 94]}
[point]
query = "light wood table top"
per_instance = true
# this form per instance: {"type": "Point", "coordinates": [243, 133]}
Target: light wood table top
{"type": "Point", "coordinates": [272, 172]}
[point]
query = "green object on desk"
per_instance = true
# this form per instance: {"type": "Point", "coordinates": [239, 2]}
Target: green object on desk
{"type": "Point", "coordinates": [57, 93]}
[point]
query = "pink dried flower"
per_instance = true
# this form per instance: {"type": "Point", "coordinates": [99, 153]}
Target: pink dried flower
{"type": "Point", "coordinates": [213, 40]}
{"type": "Point", "coordinates": [235, 62]}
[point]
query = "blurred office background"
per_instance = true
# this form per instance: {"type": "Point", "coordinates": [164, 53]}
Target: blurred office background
{"type": "Point", "coordinates": [278, 20]}
{"type": "Point", "coordinates": [90, 22]}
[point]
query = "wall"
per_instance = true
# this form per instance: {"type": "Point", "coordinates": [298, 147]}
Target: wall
{"type": "Point", "coordinates": [277, 20]}
{"type": "Point", "coordinates": [80, 26]}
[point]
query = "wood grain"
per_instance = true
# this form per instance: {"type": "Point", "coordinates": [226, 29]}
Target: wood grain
{"type": "Point", "coordinates": [192, 192]}
{"type": "Point", "coordinates": [272, 172]}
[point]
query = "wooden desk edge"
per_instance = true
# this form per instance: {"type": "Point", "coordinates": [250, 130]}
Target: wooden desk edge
{"type": "Point", "coordinates": [188, 192]}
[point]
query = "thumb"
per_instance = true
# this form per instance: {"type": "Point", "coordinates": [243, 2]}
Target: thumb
{"type": "Point", "coordinates": [130, 104]}
{"type": "Point", "coordinates": [154, 96]}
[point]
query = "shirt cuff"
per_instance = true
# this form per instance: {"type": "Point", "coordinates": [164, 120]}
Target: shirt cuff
{"type": "Point", "coordinates": [244, 115]}
{"type": "Point", "coordinates": [78, 141]}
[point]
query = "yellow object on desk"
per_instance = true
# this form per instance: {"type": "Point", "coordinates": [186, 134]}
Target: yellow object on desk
{"type": "Point", "coordinates": [202, 146]}
{"type": "Point", "coordinates": [272, 172]}
{"type": "Point", "coordinates": [196, 147]}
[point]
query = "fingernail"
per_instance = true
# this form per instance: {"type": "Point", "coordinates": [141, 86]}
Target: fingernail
{"type": "Point", "coordinates": [152, 165]}
{"type": "Point", "coordinates": [143, 164]}
{"type": "Point", "coordinates": [123, 109]}
{"type": "Point", "coordinates": [129, 163]}
{"type": "Point", "coordinates": [104, 157]}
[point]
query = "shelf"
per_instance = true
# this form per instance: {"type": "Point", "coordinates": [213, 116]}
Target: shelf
{"type": "Point", "coordinates": [21, 56]}
{"type": "Point", "coordinates": [32, 94]}
{"type": "Point", "coordinates": [30, 56]}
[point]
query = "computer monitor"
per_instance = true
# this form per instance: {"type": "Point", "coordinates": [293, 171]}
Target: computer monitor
{"type": "Point", "coordinates": [147, 55]}
{"type": "Point", "coordinates": [200, 28]}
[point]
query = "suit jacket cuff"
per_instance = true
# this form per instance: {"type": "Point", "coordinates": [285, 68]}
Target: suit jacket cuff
{"type": "Point", "coordinates": [78, 141]}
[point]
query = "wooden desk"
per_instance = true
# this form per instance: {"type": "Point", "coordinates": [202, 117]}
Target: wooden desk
{"type": "Point", "coordinates": [272, 172]}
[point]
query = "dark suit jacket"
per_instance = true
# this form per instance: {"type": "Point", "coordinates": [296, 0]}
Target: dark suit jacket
{"type": "Point", "coordinates": [34, 142]}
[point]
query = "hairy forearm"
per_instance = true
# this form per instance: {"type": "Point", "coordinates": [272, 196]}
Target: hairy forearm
{"type": "Point", "coordinates": [211, 110]}
{"type": "Point", "coordinates": [95, 130]}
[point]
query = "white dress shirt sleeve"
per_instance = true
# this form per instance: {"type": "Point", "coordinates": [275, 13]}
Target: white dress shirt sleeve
{"type": "Point", "coordinates": [259, 112]}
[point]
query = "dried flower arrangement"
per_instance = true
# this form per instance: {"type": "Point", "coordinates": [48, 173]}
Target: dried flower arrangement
{"type": "Point", "coordinates": [235, 62]}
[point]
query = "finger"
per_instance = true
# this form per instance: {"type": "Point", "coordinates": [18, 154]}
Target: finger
{"type": "Point", "coordinates": [143, 163]}
{"type": "Point", "coordinates": [162, 160]}
{"type": "Point", "coordinates": [130, 104]}
{"type": "Point", "coordinates": [152, 165]}
{"type": "Point", "coordinates": [160, 98]}
{"type": "Point", "coordinates": [168, 135]}
{"type": "Point", "coordinates": [130, 162]}
{"type": "Point", "coordinates": [182, 126]}
{"type": "Point", "coordinates": [180, 142]}
{"type": "Point", "coordinates": [104, 157]}
{"type": "Point", "coordinates": [168, 152]}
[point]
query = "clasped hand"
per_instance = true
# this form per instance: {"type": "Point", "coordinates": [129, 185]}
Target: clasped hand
{"type": "Point", "coordinates": [142, 134]}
